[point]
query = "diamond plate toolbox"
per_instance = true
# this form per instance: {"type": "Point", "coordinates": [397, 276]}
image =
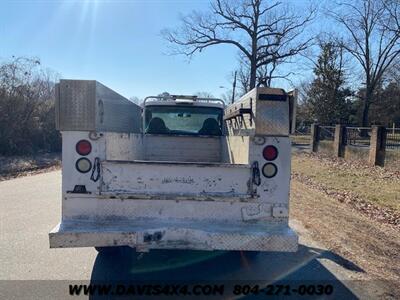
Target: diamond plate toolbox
{"type": "Point", "coordinates": [87, 105]}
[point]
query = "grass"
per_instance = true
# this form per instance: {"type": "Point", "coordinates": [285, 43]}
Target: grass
{"type": "Point", "coordinates": [373, 184]}
{"type": "Point", "coordinates": [301, 139]}
{"type": "Point", "coordinates": [11, 166]}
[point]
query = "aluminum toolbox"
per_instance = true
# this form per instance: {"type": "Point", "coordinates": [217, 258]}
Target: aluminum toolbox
{"type": "Point", "coordinates": [87, 105]}
{"type": "Point", "coordinates": [261, 111]}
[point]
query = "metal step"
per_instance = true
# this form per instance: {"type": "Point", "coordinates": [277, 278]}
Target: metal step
{"type": "Point", "coordinates": [175, 234]}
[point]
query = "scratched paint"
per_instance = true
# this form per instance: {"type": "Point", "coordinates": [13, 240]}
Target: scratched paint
{"type": "Point", "coordinates": [200, 195]}
{"type": "Point", "coordinates": [168, 180]}
{"type": "Point", "coordinates": [182, 180]}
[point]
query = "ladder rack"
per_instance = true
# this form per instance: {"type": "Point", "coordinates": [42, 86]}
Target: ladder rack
{"type": "Point", "coordinates": [239, 113]}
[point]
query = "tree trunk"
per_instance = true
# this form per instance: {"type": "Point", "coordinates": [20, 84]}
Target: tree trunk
{"type": "Point", "coordinates": [253, 75]}
{"type": "Point", "coordinates": [365, 111]}
{"type": "Point", "coordinates": [366, 105]}
{"type": "Point", "coordinates": [253, 62]}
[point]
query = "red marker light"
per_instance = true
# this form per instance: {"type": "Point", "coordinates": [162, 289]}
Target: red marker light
{"type": "Point", "coordinates": [83, 147]}
{"type": "Point", "coordinates": [270, 152]}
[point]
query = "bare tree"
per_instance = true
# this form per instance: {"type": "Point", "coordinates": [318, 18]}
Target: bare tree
{"type": "Point", "coordinates": [394, 72]}
{"type": "Point", "coordinates": [243, 77]}
{"type": "Point", "coordinates": [204, 94]}
{"type": "Point", "coordinates": [264, 32]}
{"type": "Point", "coordinates": [226, 96]}
{"type": "Point", "coordinates": [369, 41]}
{"type": "Point", "coordinates": [265, 73]}
{"type": "Point", "coordinates": [393, 15]}
{"type": "Point", "coordinates": [136, 100]}
{"type": "Point", "coordinates": [27, 107]}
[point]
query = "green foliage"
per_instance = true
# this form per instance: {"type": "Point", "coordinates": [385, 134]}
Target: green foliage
{"type": "Point", "coordinates": [27, 122]}
{"type": "Point", "coordinates": [326, 98]}
{"type": "Point", "coordinates": [386, 110]}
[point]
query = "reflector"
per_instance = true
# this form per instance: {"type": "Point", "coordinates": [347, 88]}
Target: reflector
{"type": "Point", "coordinates": [83, 147]}
{"type": "Point", "coordinates": [83, 165]}
{"type": "Point", "coordinates": [269, 170]}
{"type": "Point", "coordinates": [270, 152]}
{"type": "Point", "coordinates": [259, 140]}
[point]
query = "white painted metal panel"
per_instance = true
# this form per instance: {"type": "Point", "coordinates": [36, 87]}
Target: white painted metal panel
{"type": "Point", "coordinates": [131, 146]}
{"type": "Point", "coordinates": [124, 146]}
{"type": "Point", "coordinates": [276, 189]}
{"type": "Point", "coordinates": [123, 207]}
{"type": "Point", "coordinates": [238, 149]}
{"type": "Point", "coordinates": [182, 148]}
{"type": "Point", "coordinates": [70, 175]}
{"type": "Point", "coordinates": [180, 179]}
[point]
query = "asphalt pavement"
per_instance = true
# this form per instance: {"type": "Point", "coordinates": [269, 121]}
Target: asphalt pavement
{"type": "Point", "coordinates": [31, 206]}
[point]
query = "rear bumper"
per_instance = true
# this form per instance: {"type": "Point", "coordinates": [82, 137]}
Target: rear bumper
{"type": "Point", "coordinates": [153, 234]}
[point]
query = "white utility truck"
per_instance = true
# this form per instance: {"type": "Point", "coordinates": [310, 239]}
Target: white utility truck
{"type": "Point", "coordinates": [178, 172]}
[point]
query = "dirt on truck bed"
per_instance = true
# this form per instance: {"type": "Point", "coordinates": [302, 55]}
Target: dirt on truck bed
{"type": "Point", "coordinates": [369, 240]}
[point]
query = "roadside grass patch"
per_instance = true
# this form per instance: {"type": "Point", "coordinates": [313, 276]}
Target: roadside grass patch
{"type": "Point", "coordinates": [375, 185]}
{"type": "Point", "coordinates": [15, 166]}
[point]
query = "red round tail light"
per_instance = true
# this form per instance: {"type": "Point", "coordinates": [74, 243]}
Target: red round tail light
{"type": "Point", "coordinates": [83, 147]}
{"type": "Point", "coordinates": [270, 152]}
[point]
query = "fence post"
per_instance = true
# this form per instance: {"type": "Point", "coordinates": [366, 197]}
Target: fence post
{"type": "Point", "coordinates": [377, 147]}
{"type": "Point", "coordinates": [339, 141]}
{"type": "Point", "coordinates": [314, 137]}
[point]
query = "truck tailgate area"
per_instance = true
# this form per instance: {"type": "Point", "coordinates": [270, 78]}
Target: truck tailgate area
{"type": "Point", "coordinates": [174, 179]}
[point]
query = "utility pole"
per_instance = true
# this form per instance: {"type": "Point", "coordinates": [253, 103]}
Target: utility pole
{"type": "Point", "coordinates": [234, 87]}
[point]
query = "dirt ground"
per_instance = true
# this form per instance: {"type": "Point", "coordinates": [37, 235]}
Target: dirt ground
{"type": "Point", "coordinates": [16, 166]}
{"type": "Point", "coordinates": [342, 227]}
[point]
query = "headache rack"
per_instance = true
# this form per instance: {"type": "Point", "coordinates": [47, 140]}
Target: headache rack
{"type": "Point", "coordinates": [184, 99]}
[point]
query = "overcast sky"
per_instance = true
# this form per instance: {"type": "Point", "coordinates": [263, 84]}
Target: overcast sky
{"type": "Point", "coordinates": [115, 42]}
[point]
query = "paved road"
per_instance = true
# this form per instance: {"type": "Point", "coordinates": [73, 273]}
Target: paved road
{"type": "Point", "coordinates": [30, 208]}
